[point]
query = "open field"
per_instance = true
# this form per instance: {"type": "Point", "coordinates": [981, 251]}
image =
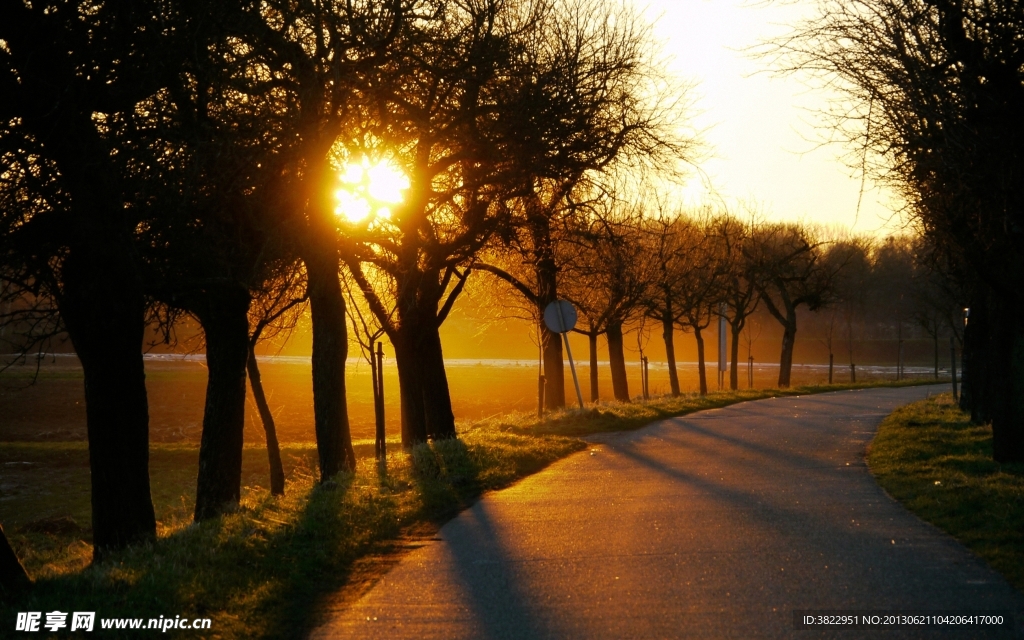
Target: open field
{"type": "Point", "coordinates": [53, 408]}
{"type": "Point", "coordinates": [931, 458]}
{"type": "Point", "coordinates": [266, 570]}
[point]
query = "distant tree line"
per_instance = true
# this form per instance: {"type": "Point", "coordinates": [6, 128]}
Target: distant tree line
{"type": "Point", "coordinates": [624, 265]}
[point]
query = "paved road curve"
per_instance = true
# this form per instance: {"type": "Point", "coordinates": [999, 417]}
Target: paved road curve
{"type": "Point", "coordinates": [716, 525]}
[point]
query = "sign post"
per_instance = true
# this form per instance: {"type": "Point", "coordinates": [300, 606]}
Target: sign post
{"type": "Point", "coordinates": [560, 317]}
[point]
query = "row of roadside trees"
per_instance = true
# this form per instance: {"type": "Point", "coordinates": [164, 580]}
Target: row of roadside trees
{"type": "Point", "coordinates": [625, 267]}
{"type": "Point", "coordinates": [928, 96]}
{"type": "Point", "coordinates": [172, 159]}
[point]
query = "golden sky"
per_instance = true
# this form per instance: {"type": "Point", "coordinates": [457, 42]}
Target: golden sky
{"type": "Point", "coordinates": [761, 129]}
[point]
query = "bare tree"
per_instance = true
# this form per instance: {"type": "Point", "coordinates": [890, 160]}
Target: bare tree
{"type": "Point", "coordinates": [611, 278]}
{"type": "Point", "coordinates": [67, 225]}
{"type": "Point", "coordinates": [931, 92]}
{"type": "Point", "coordinates": [597, 101]}
{"type": "Point", "coordinates": [737, 283]}
{"type": "Point", "coordinates": [698, 295]}
{"type": "Point", "coordinates": [275, 311]}
{"type": "Point", "coordinates": [667, 241]}
{"type": "Point", "coordinates": [789, 270]}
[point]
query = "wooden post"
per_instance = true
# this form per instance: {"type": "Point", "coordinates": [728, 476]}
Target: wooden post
{"type": "Point", "coordinates": [380, 448]}
{"type": "Point", "coordinates": [540, 396]}
{"type": "Point", "coordinates": [952, 366]}
{"type": "Point", "coordinates": [645, 378]}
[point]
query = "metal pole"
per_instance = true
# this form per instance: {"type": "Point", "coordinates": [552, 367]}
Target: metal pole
{"type": "Point", "coordinates": [572, 364]}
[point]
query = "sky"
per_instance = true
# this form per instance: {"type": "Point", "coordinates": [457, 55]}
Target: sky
{"type": "Point", "coordinates": [761, 129]}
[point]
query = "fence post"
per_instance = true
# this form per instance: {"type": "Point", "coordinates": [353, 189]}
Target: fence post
{"type": "Point", "coordinates": [380, 447]}
{"type": "Point", "coordinates": [540, 396]}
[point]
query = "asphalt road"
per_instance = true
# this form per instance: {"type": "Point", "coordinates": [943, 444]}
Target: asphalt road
{"type": "Point", "coordinates": [719, 524]}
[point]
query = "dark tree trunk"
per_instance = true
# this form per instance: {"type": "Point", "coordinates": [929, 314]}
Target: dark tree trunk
{"type": "Point", "coordinates": [668, 333]}
{"type": "Point", "coordinates": [546, 272]}
{"type": "Point", "coordinates": [437, 400]}
{"type": "Point", "coordinates": [935, 337]}
{"type": "Point", "coordinates": [267, 418]}
{"type": "Point", "coordinates": [423, 383]}
{"type": "Point", "coordinates": [786, 360]}
{"type": "Point", "coordinates": [592, 339]}
{"type": "Point", "coordinates": [380, 438]}
{"type": "Point", "coordinates": [13, 577]}
{"type": "Point", "coordinates": [1005, 366]}
{"type": "Point", "coordinates": [330, 350]}
{"type": "Point", "coordinates": [101, 303]}
{"type": "Point", "coordinates": [734, 375]}
{"type": "Point", "coordinates": [103, 310]}
{"type": "Point", "coordinates": [223, 313]}
{"type": "Point", "coordinates": [617, 358]}
{"type": "Point", "coordinates": [554, 369]}
{"type": "Point", "coordinates": [702, 373]}
{"type": "Point", "coordinates": [414, 424]}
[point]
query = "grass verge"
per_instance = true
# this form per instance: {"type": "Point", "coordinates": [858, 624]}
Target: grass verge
{"type": "Point", "coordinates": [931, 458]}
{"type": "Point", "coordinates": [274, 566]}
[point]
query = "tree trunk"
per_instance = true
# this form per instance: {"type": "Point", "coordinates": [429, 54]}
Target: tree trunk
{"type": "Point", "coordinates": [102, 307]}
{"type": "Point", "coordinates": [554, 368]}
{"type": "Point", "coordinates": [330, 350]}
{"type": "Point", "coordinates": [546, 272]}
{"type": "Point", "coordinates": [103, 310]}
{"type": "Point", "coordinates": [414, 423]}
{"type": "Point", "coordinates": [592, 339]}
{"type": "Point", "coordinates": [936, 338]}
{"type": "Point", "coordinates": [423, 382]}
{"type": "Point", "coordinates": [786, 360]}
{"type": "Point", "coordinates": [1005, 367]}
{"type": "Point", "coordinates": [13, 577]}
{"type": "Point", "coordinates": [668, 333]}
{"type": "Point", "coordinates": [223, 313]}
{"type": "Point", "coordinates": [734, 374]}
{"type": "Point", "coordinates": [437, 399]}
{"type": "Point", "coordinates": [702, 373]}
{"type": "Point", "coordinates": [618, 361]}
{"type": "Point", "coordinates": [267, 419]}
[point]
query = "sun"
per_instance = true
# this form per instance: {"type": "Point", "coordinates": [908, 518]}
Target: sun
{"type": "Point", "coordinates": [370, 188]}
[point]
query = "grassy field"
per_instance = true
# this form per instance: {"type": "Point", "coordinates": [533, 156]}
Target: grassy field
{"type": "Point", "coordinates": [931, 458]}
{"type": "Point", "coordinates": [272, 567]}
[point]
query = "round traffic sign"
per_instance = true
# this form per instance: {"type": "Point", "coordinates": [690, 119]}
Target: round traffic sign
{"type": "Point", "coordinates": [560, 316]}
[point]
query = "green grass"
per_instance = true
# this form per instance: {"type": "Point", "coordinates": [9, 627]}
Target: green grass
{"type": "Point", "coordinates": [270, 568]}
{"type": "Point", "coordinates": [931, 458]}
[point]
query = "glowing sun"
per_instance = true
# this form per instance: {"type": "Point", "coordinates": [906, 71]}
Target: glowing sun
{"type": "Point", "coordinates": [370, 188]}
